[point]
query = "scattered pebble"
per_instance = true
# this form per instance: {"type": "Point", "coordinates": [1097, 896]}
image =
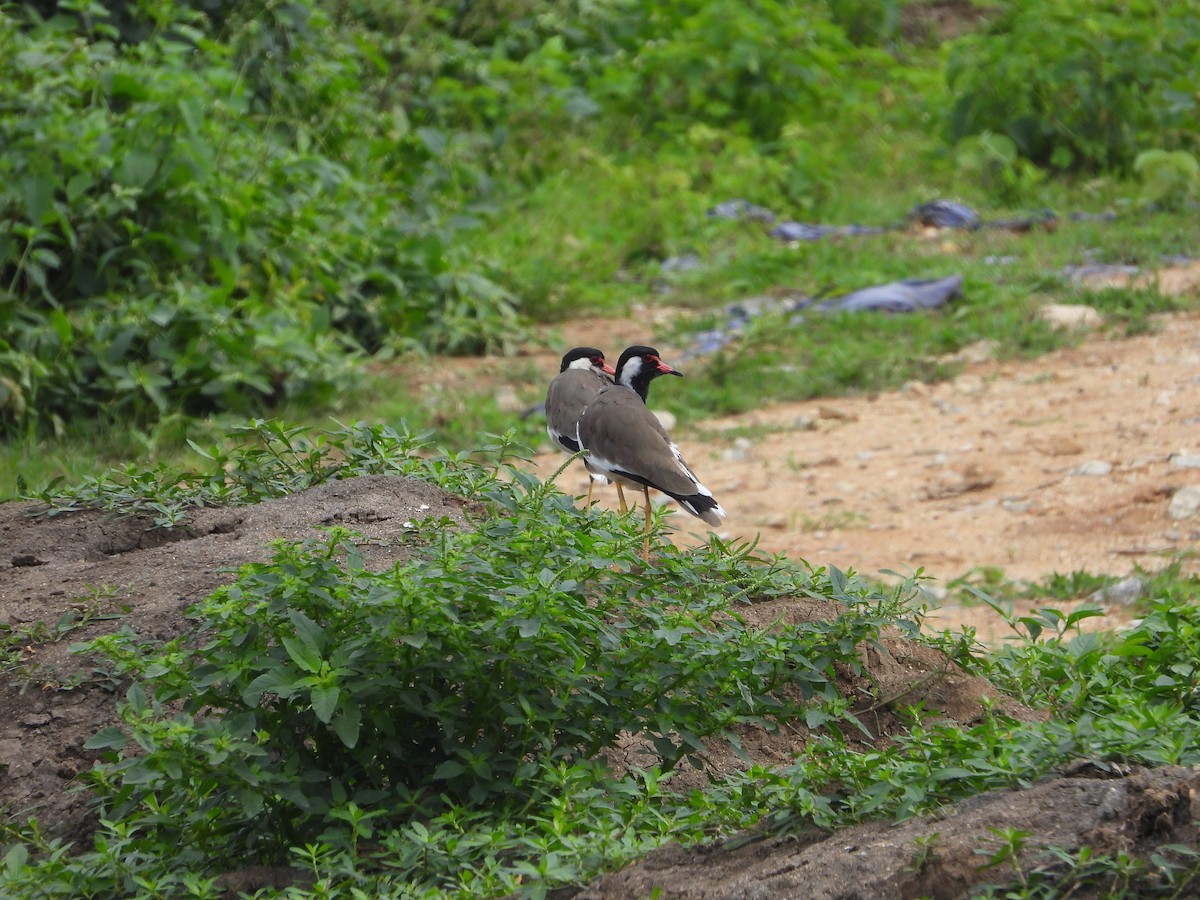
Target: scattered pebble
{"type": "Point", "coordinates": [1185, 461]}
{"type": "Point", "coordinates": [968, 384]}
{"type": "Point", "coordinates": [978, 352]}
{"type": "Point", "coordinates": [1185, 504]}
{"type": "Point", "coordinates": [1069, 315]}
{"type": "Point", "coordinates": [1094, 468]}
{"type": "Point", "coordinates": [1057, 445]}
{"type": "Point", "coordinates": [1128, 590]}
{"type": "Point", "coordinates": [832, 412]}
{"type": "Point", "coordinates": [507, 399]}
{"type": "Point", "coordinates": [739, 452]}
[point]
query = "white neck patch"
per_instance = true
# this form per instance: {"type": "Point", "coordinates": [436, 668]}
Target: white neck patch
{"type": "Point", "coordinates": [582, 363]}
{"type": "Point", "coordinates": [631, 370]}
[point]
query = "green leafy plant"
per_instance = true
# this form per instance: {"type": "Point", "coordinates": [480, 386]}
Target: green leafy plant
{"type": "Point", "coordinates": [1076, 84]}
{"type": "Point", "coordinates": [1170, 179]}
{"type": "Point", "coordinates": [992, 162]}
{"type": "Point", "coordinates": [192, 221]}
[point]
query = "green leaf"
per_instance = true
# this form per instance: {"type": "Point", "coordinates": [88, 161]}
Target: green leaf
{"type": "Point", "coordinates": [348, 725]}
{"type": "Point", "coordinates": [122, 84]}
{"type": "Point", "coordinates": [528, 627]}
{"type": "Point", "coordinates": [307, 630]}
{"type": "Point", "coordinates": [414, 640]}
{"type": "Point", "coordinates": [16, 859]}
{"type": "Point", "coordinates": [107, 739]}
{"type": "Point", "coordinates": [280, 681]}
{"type": "Point", "coordinates": [324, 702]}
{"type": "Point", "coordinates": [252, 802]}
{"type": "Point", "coordinates": [950, 773]}
{"type": "Point", "coordinates": [39, 192]}
{"type": "Point", "coordinates": [303, 654]}
{"type": "Point", "coordinates": [451, 768]}
{"type": "Point", "coordinates": [78, 185]}
{"type": "Point", "coordinates": [137, 168]}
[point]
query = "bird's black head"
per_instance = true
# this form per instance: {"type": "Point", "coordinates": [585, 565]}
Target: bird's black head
{"type": "Point", "coordinates": [639, 366]}
{"type": "Point", "coordinates": [586, 358]}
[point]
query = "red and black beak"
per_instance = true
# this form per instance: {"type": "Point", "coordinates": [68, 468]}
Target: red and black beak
{"type": "Point", "coordinates": [664, 369]}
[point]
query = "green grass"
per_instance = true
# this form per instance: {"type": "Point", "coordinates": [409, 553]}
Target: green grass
{"type": "Point", "coordinates": [991, 585]}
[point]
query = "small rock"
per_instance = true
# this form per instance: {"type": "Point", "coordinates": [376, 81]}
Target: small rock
{"type": "Point", "coordinates": [507, 399]}
{"type": "Point", "coordinates": [1128, 590]}
{"type": "Point", "coordinates": [1057, 445]}
{"type": "Point", "coordinates": [805, 423]}
{"type": "Point", "coordinates": [1185, 503]}
{"type": "Point", "coordinates": [949, 409]}
{"type": "Point", "coordinates": [688, 262]}
{"type": "Point", "coordinates": [1185, 460]}
{"type": "Point", "coordinates": [951, 482]}
{"type": "Point", "coordinates": [1069, 315]}
{"type": "Point", "coordinates": [1015, 506]}
{"type": "Point", "coordinates": [22, 560]}
{"type": "Point", "coordinates": [36, 720]}
{"type": "Point", "coordinates": [739, 452]}
{"type": "Point", "coordinates": [972, 354]}
{"type": "Point", "coordinates": [832, 412]}
{"type": "Point", "coordinates": [1094, 467]}
{"type": "Point", "coordinates": [968, 384]}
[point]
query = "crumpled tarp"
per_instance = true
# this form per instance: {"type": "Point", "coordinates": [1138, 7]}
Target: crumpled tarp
{"type": "Point", "coordinates": [904, 296]}
{"type": "Point", "coordinates": [934, 214]}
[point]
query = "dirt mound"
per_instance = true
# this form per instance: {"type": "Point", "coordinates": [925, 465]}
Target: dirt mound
{"type": "Point", "coordinates": [895, 674]}
{"type": "Point", "coordinates": [79, 575]}
{"type": "Point", "coordinates": [931, 856]}
{"type": "Point", "coordinates": [76, 576]}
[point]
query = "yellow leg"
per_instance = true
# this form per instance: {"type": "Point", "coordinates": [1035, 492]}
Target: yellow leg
{"type": "Point", "coordinates": [589, 500]}
{"type": "Point", "coordinates": [621, 497]}
{"type": "Point", "coordinates": [646, 540]}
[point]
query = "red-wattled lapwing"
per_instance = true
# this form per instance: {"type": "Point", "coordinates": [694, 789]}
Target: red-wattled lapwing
{"type": "Point", "coordinates": [627, 444]}
{"type": "Point", "coordinates": [579, 380]}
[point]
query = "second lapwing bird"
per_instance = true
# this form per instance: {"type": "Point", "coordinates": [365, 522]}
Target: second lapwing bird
{"type": "Point", "coordinates": [580, 378]}
{"type": "Point", "coordinates": [626, 443]}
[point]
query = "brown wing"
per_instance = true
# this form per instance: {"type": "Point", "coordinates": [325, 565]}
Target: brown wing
{"type": "Point", "coordinates": [567, 397]}
{"type": "Point", "coordinates": [624, 438]}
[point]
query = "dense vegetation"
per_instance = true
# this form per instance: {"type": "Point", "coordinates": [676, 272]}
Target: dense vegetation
{"type": "Point", "coordinates": [432, 729]}
{"type": "Point", "coordinates": [219, 208]}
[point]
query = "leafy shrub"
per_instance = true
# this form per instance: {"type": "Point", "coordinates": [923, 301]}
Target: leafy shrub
{"type": "Point", "coordinates": [467, 676]}
{"type": "Point", "coordinates": [1169, 179]}
{"type": "Point", "coordinates": [1077, 84]}
{"type": "Point", "coordinates": [992, 162]}
{"type": "Point", "coordinates": [753, 66]}
{"type": "Point", "coordinates": [193, 224]}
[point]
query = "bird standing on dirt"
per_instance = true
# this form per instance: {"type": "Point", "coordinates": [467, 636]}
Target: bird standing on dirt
{"type": "Point", "coordinates": [627, 444]}
{"type": "Point", "coordinates": [580, 378]}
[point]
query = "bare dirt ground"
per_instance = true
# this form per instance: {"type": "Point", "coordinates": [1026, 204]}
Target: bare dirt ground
{"type": "Point", "coordinates": [985, 471]}
{"type": "Point", "coordinates": [1063, 463]}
